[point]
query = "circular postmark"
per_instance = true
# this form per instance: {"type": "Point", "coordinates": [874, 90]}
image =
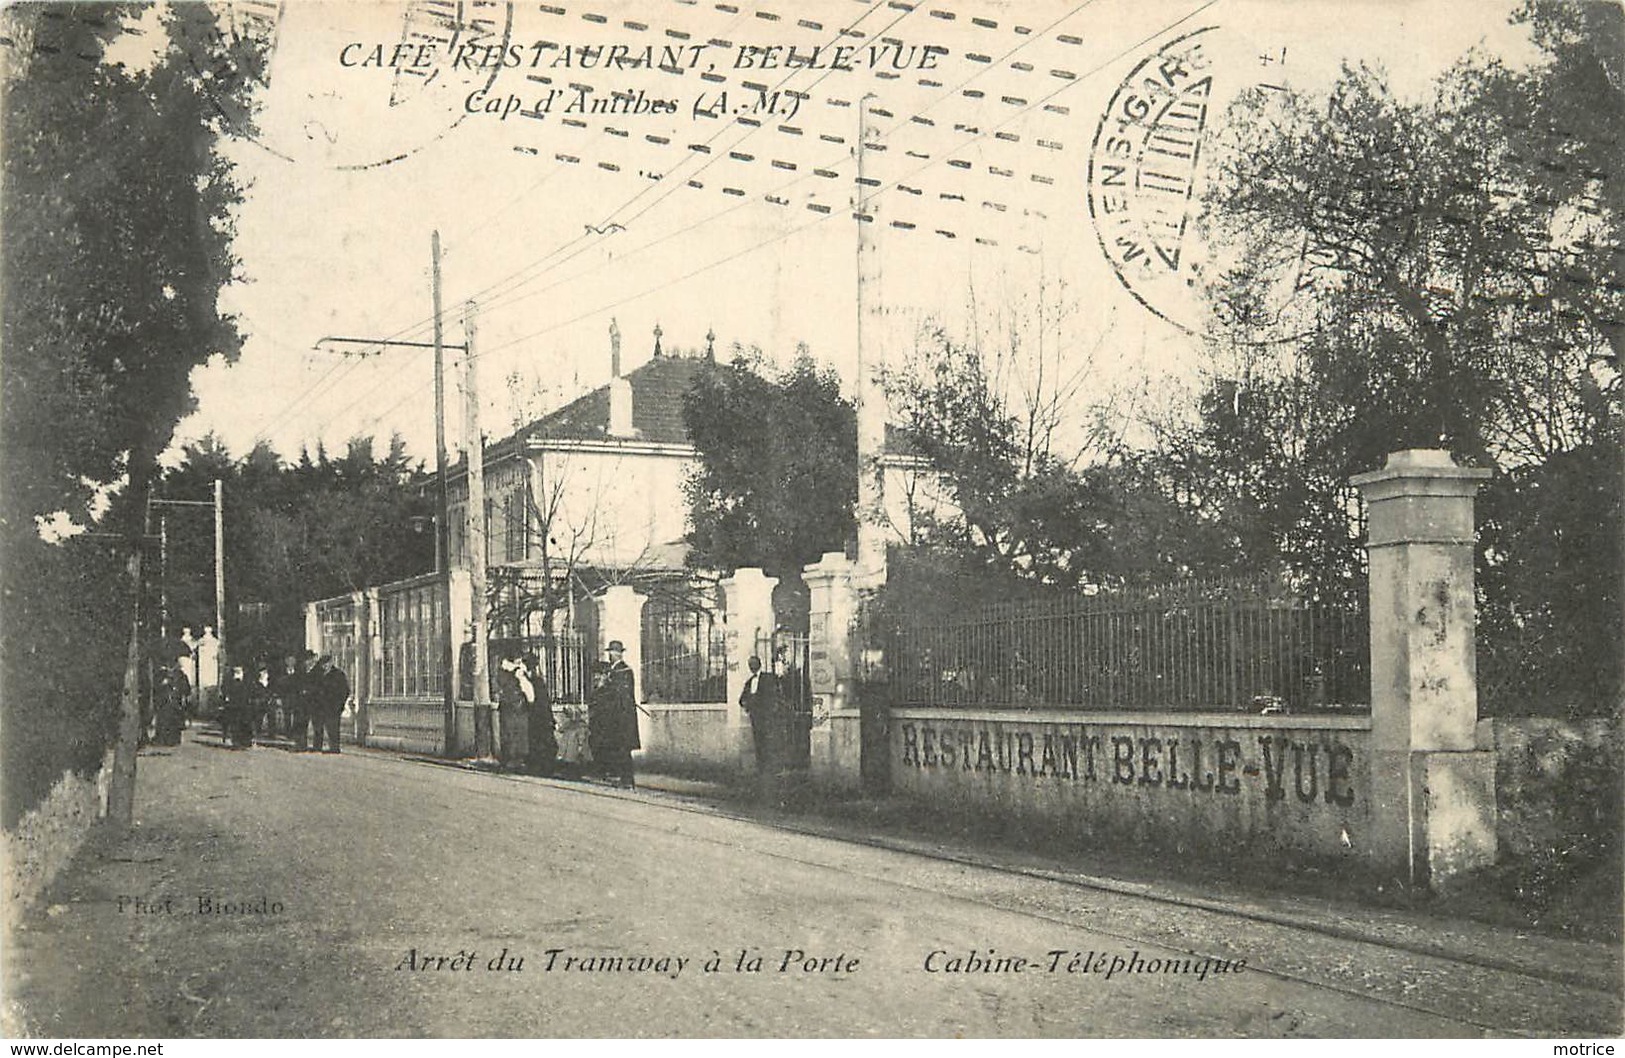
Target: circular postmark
{"type": "Point", "coordinates": [342, 86]}
{"type": "Point", "coordinates": [1144, 164]}
{"type": "Point", "coordinates": [1146, 172]}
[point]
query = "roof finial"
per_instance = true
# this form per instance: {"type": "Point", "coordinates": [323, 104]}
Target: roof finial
{"type": "Point", "coordinates": [710, 343]}
{"type": "Point", "coordinates": [657, 339]}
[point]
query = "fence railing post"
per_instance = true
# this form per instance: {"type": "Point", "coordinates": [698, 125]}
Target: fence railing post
{"type": "Point", "coordinates": [371, 663]}
{"type": "Point", "coordinates": [460, 615]}
{"type": "Point", "coordinates": [1432, 788]}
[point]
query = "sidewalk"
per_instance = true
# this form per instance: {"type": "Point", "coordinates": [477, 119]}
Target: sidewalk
{"type": "Point", "coordinates": [902, 826]}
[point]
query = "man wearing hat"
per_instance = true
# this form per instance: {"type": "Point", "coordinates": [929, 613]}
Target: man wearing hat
{"type": "Point", "coordinates": [613, 720]}
{"type": "Point", "coordinates": [329, 691]}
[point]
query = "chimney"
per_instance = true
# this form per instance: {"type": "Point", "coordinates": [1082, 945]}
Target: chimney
{"type": "Point", "coordinates": [620, 408]}
{"type": "Point", "coordinates": [620, 390]}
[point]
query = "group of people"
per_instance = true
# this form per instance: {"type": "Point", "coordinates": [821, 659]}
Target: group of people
{"type": "Point", "coordinates": [523, 705]}
{"type": "Point", "coordinates": [303, 699]}
{"type": "Point", "coordinates": [304, 696]}
{"type": "Point", "coordinates": [525, 719]}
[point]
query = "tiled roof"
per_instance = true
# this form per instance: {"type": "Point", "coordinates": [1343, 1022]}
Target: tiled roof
{"type": "Point", "coordinates": [658, 388]}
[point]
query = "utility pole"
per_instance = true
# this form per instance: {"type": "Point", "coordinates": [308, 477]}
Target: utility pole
{"type": "Point", "coordinates": [442, 522]}
{"type": "Point", "coordinates": [448, 647]}
{"type": "Point", "coordinates": [121, 786]}
{"type": "Point", "coordinates": [220, 581]}
{"type": "Point", "coordinates": [163, 575]}
{"type": "Point", "coordinates": [474, 454]}
{"type": "Point", "coordinates": [870, 400]}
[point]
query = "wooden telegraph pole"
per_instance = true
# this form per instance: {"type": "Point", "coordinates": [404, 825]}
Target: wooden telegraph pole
{"type": "Point", "coordinates": [871, 401]}
{"type": "Point", "coordinates": [474, 454]}
{"type": "Point", "coordinates": [442, 522]}
{"type": "Point", "coordinates": [448, 645]}
{"type": "Point", "coordinates": [220, 582]}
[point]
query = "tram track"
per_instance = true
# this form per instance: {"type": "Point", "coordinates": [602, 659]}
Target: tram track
{"type": "Point", "coordinates": [507, 786]}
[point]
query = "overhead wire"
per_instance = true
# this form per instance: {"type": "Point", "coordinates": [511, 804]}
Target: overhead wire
{"type": "Point", "coordinates": [861, 198]}
{"type": "Point", "coordinates": [713, 158]}
{"type": "Point", "coordinates": [859, 205]}
{"type": "Point", "coordinates": [513, 281]}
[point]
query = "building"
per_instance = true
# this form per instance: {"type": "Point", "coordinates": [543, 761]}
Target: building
{"type": "Point", "coordinates": [592, 493]}
{"type": "Point", "coordinates": [585, 521]}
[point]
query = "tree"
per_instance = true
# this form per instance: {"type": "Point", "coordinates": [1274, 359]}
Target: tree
{"type": "Point", "coordinates": [294, 534]}
{"type": "Point", "coordinates": [1014, 500]}
{"type": "Point", "coordinates": [1456, 274]}
{"type": "Point", "coordinates": [113, 268]}
{"type": "Point", "coordinates": [1441, 273]}
{"type": "Point", "coordinates": [117, 213]}
{"type": "Point", "coordinates": [778, 473]}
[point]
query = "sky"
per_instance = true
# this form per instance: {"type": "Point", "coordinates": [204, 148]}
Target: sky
{"type": "Point", "coordinates": [672, 206]}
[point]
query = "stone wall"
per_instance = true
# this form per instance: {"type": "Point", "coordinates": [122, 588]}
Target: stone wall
{"type": "Point", "coordinates": [693, 738]}
{"type": "Point", "coordinates": [1211, 783]}
{"type": "Point", "coordinates": [48, 836]}
{"type": "Point", "coordinates": [1555, 780]}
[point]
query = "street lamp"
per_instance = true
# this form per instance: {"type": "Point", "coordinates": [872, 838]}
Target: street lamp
{"type": "Point", "coordinates": [420, 522]}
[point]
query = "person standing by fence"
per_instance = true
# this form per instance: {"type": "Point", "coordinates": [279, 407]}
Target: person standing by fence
{"type": "Point", "coordinates": [542, 744]}
{"type": "Point", "coordinates": [760, 700]}
{"type": "Point", "coordinates": [510, 706]}
{"type": "Point", "coordinates": [614, 718]}
{"type": "Point", "coordinates": [326, 696]}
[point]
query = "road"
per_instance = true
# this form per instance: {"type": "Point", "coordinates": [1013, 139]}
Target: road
{"type": "Point", "coordinates": [371, 895]}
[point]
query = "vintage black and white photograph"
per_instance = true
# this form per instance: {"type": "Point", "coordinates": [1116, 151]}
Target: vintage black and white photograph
{"type": "Point", "coordinates": [862, 519]}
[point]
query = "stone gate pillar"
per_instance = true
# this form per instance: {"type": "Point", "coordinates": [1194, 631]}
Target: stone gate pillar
{"type": "Point", "coordinates": [748, 598]}
{"type": "Point", "coordinates": [360, 621]}
{"type": "Point", "coordinates": [460, 616]}
{"type": "Point", "coordinates": [837, 743]}
{"type": "Point", "coordinates": [371, 660]}
{"type": "Point", "coordinates": [1433, 788]}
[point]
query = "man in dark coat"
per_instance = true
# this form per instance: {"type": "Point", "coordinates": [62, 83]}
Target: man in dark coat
{"type": "Point", "coordinates": [172, 693]}
{"type": "Point", "coordinates": [236, 711]}
{"type": "Point", "coordinates": [329, 690]}
{"type": "Point", "coordinates": [760, 700]}
{"type": "Point", "coordinates": [301, 689]}
{"type": "Point", "coordinates": [614, 718]}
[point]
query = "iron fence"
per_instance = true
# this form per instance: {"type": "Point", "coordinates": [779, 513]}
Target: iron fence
{"type": "Point", "coordinates": [564, 661]}
{"type": "Point", "coordinates": [786, 655]}
{"type": "Point", "coordinates": [685, 655]}
{"type": "Point", "coordinates": [1227, 646]}
{"type": "Point", "coordinates": [340, 629]}
{"type": "Point", "coordinates": [412, 627]}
